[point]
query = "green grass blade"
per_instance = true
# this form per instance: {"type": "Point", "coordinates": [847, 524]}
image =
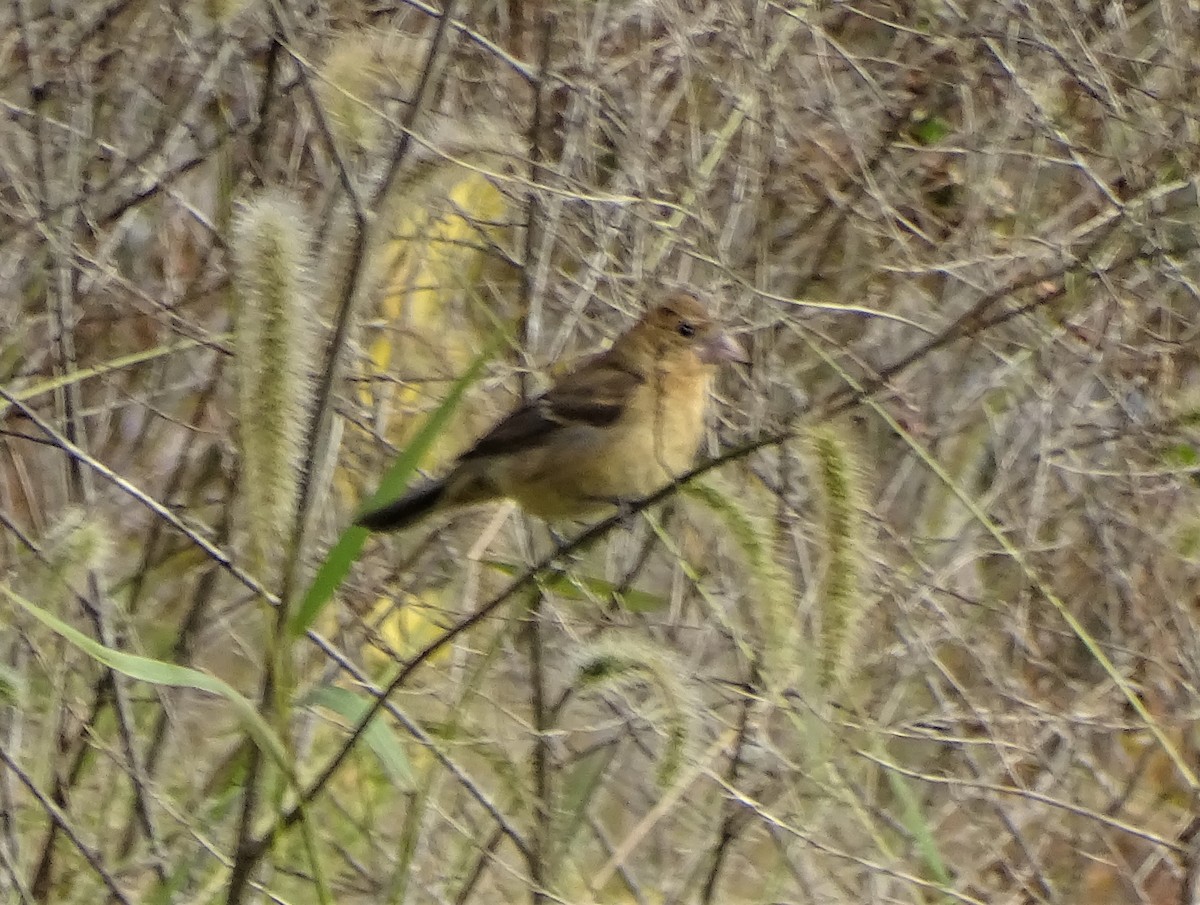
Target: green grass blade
{"type": "Point", "coordinates": [42, 387]}
{"type": "Point", "coordinates": [341, 557]}
{"type": "Point", "coordinates": [156, 672]}
{"type": "Point", "coordinates": [913, 819]}
{"type": "Point", "coordinates": [383, 742]}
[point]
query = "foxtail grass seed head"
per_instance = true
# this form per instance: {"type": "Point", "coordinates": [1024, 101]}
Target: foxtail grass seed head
{"type": "Point", "coordinates": [756, 536]}
{"type": "Point", "coordinates": [365, 77]}
{"type": "Point", "coordinates": [76, 546]}
{"type": "Point", "coordinates": [274, 336]}
{"type": "Point", "coordinates": [838, 486]}
{"type": "Point", "coordinates": [622, 664]}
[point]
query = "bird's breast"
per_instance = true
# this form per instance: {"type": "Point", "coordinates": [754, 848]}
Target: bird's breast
{"type": "Point", "coordinates": [587, 468]}
{"type": "Point", "coordinates": [665, 426]}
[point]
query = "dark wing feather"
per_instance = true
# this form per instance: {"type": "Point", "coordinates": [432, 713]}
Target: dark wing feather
{"type": "Point", "coordinates": [595, 396]}
{"type": "Point", "coordinates": [403, 512]}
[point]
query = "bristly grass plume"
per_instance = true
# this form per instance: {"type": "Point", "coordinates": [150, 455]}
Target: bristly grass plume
{"type": "Point", "coordinates": [78, 544]}
{"type": "Point", "coordinates": [621, 664]}
{"type": "Point", "coordinates": [274, 337]}
{"type": "Point", "coordinates": [366, 76]}
{"type": "Point", "coordinates": [838, 487]}
{"type": "Point", "coordinates": [744, 516]}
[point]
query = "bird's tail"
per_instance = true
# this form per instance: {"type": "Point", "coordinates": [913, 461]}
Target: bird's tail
{"type": "Point", "coordinates": [401, 513]}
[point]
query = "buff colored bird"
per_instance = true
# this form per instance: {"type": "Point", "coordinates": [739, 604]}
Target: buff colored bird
{"type": "Point", "coordinates": [623, 424]}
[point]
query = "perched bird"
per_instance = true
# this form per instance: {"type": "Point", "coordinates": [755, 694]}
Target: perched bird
{"type": "Point", "coordinates": [623, 424]}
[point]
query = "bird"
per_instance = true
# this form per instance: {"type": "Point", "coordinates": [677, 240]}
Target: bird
{"type": "Point", "coordinates": [621, 425]}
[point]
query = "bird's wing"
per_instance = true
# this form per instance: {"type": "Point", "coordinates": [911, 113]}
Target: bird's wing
{"type": "Point", "coordinates": [594, 395]}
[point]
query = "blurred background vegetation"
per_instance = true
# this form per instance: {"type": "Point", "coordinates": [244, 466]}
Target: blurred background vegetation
{"type": "Point", "coordinates": [932, 639]}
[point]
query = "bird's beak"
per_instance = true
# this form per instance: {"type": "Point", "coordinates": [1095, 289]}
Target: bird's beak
{"type": "Point", "coordinates": [723, 347]}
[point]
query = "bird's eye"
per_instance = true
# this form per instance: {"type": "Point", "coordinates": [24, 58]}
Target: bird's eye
{"type": "Point", "coordinates": [685, 329]}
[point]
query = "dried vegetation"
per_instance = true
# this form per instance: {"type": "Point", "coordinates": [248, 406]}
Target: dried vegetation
{"type": "Point", "coordinates": [927, 634]}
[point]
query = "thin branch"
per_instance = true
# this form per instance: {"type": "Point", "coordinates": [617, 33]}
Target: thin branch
{"type": "Point", "coordinates": [59, 819]}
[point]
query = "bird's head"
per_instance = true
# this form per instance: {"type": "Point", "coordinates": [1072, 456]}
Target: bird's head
{"type": "Point", "coordinates": [683, 326]}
